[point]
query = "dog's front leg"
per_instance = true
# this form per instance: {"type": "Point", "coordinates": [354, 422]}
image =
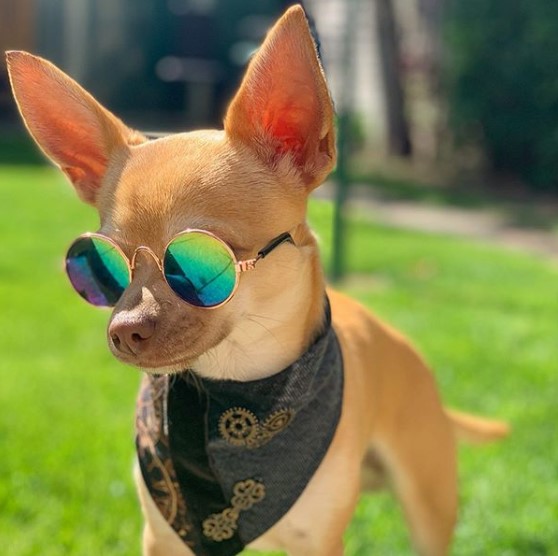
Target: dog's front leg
{"type": "Point", "coordinates": [299, 546]}
{"type": "Point", "coordinates": [336, 550]}
{"type": "Point", "coordinates": [159, 539]}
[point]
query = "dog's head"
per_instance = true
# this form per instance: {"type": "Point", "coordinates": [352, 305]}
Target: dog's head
{"type": "Point", "coordinates": [247, 184]}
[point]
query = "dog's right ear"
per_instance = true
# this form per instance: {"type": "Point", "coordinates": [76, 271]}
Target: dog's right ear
{"type": "Point", "coordinates": [68, 124]}
{"type": "Point", "coordinates": [283, 110]}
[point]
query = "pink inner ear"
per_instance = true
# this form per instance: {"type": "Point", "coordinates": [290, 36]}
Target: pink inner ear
{"type": "Point", "coordinates": [73, 138]}
{"type": "Point", "coordinates": [71, 144]}
{"type": "Point", "coordinates": [283, 105]}
{"type": "Point", "coordinates": [290, 118]}
{"type": "Point", "coordinates": [285, 128]}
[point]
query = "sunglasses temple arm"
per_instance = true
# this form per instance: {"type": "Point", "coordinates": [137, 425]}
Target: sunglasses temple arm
{"type": "Point", "coordinates": [273, 244]}
{"type": "Point", "coordinates": [250, 264]}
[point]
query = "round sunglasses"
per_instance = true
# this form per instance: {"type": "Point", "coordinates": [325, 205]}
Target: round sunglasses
{"type": "Point", "coordinates": [199, 267]}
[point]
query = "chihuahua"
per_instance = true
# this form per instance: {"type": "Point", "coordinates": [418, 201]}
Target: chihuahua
{"type": "Point", "coordinates": [268, 401]}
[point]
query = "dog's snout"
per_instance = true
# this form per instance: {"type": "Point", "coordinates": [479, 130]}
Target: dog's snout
{"type": "Point", "coordinates": [131, 337]}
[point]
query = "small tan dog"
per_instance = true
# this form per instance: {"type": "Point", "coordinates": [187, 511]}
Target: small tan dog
{"type": "Point", "coordinates": [247, 186]}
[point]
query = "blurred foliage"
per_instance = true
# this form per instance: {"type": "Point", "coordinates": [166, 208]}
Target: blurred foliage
{"type": "Point", "coordinates": [17, 148]}
{"type": "Point", "coordinates": [502, 78]}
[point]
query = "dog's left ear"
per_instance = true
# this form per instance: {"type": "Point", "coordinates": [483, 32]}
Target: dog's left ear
{"type": "Point", "coordinates": [283, 108]}
{"type": "Point", "coordinates": [68, 124]}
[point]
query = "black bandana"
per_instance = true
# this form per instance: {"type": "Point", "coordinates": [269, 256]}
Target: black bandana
{"type": "Point", "coordinates": [225, 460]}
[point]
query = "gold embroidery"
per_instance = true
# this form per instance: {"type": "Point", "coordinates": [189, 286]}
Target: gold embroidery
{"type": "Point", "coordinates": [220, 527]}
{"type": "Point", "coordinates": [154, 451]}
{"type": "Point", "coordinates": [240, 427]}
{"type": "Point", "coordinates": [246, 494]}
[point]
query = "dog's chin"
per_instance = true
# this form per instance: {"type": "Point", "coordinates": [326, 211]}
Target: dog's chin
{"type": "Point", "coordinates": [156, 368]}
{"type": "Point", "coordinates": [166, 370]}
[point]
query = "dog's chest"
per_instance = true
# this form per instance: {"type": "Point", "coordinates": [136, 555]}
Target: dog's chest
{"type": "Point", "coordinates": [225, 460]}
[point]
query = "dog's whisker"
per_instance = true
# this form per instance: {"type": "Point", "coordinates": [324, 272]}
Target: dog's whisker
{"type": "Point", "coordinates": [266, 329]}
{"type": "Point", "coordinates": [265, 317]}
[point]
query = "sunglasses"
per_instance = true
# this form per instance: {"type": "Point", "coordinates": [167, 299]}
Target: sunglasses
{"type": "Point", "coordinates": [200, 268]}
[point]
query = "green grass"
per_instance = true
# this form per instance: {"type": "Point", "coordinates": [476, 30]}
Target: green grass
{"type": "Point", "coordinates": [485, 319]}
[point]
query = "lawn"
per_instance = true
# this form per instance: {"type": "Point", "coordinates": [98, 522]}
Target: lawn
{"type": "Point", "coordinates": [485, 318]}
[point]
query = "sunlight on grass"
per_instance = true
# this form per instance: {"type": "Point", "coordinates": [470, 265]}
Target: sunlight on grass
{"type": "Point", "coordinates": [484, 318]}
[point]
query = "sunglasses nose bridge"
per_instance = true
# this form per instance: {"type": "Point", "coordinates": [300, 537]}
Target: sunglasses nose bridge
{"type": "Point", "coordinates": [149, 251]}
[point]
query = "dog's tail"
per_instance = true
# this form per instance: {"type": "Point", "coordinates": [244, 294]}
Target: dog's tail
{"type": "Point", "coordinates": [476, 430]}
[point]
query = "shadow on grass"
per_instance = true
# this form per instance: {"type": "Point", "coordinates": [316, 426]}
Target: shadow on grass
{"type": "Point", "coordinates": [532, 547]}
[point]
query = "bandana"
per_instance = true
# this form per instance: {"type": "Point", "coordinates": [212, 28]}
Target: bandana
{"type": "Point", "coordinates": [225, 460]}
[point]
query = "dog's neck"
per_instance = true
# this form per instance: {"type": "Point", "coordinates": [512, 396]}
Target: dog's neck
{"type": "Point", "coordinates": [269, 340]}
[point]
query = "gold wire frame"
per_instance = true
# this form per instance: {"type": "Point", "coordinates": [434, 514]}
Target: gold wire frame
{"type": "Point", "coordinates": [239, 266]}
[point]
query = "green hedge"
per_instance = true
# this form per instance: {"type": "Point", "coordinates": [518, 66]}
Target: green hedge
{"type": "Point", "coordinates": [502, 77]}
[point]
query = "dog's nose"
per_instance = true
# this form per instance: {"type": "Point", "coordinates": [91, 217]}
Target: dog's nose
{"type": "Point", "coordinates": [131, 337]}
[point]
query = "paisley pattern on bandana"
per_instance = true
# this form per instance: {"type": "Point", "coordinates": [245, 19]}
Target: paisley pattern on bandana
{"type": "Point", "coordinates": [154, 455]}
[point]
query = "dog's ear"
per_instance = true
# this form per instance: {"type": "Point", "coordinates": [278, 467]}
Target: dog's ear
{"type": "Point", "coordinates": [68, 124]}
{"type": "Point", "coordinates": [283, 107]}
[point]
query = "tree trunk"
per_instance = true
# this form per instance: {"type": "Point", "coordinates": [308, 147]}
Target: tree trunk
{"type": "Point", "coordinates": [399, 142]}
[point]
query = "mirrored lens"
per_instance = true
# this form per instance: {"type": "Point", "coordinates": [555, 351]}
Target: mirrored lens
{"type": "Point", "coordinates": [200, 269]}
{"type": "Point", "coordinates": [97, 270]}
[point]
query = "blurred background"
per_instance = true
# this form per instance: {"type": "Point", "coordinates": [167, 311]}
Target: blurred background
{"type": "Point", "coordinates": [472, 85]}
{"type": "Point", "coordinates": [438, 99]}
{"type": "Point", "coordinates": [442, 216]}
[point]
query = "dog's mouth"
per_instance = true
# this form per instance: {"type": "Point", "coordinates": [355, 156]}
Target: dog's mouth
{"type": "Point", "coordinates": [157, 365]}
{"type": "Point", "coordinates": [164, 360]}
{"type": "Point", "coordinates": [164, 349]}
{"type": "Point", "coordinates": [167, 370]}
{"type": "Point", "coordinates": [169, 367]}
